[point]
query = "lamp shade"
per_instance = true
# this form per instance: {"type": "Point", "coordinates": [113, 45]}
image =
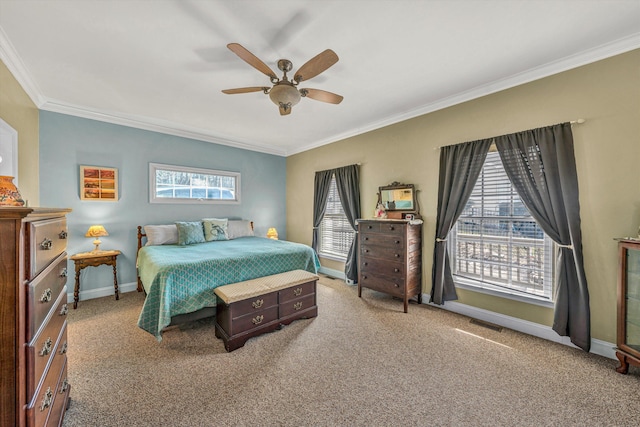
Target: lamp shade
{"type": "Point", "coordinates": [96, 231]}
{"type": "Point", "coordinates": [272, 233]}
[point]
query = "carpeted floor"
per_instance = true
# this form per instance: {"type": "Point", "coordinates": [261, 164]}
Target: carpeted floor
{"type": "Point", "coordinates": [361, 362]}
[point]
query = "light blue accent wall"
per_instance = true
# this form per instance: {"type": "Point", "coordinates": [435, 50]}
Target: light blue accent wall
{"type": "Point", "coordinates": [67, 142]}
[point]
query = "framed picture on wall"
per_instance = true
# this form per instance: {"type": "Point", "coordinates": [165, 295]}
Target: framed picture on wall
{"type": "Point", "coordinates": [98, 183]}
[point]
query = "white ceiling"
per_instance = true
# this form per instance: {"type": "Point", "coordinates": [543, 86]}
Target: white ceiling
{"type": "Point", "coordinates": [161, 65]}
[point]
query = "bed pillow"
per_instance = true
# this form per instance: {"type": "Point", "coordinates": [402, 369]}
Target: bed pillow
{"type": "Point", "coordinates": [215, 229]}
{"type": "Point", "coordinates": [190, 232]}
{"type": "Point", "coordinates": [161, 234]}
{"type": "Point", "coordinates": [239, 228]}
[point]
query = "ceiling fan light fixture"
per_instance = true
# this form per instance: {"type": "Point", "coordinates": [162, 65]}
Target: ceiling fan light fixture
{"type": "Point", "coordinates": [284, 93]}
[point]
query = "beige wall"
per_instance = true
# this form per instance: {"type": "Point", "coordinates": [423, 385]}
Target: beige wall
{"type": "Point", "coordinates": [606, 94]}
{"type": "Point", "coordinates": [17, 109]}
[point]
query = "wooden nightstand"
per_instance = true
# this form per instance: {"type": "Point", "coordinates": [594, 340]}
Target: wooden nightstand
{"type": "Point", "coordinates": [94, 259]}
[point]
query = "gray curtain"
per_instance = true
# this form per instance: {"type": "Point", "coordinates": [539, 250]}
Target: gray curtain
{"type": "Point", "coordinates": [348, 184]}
{"type": "Point", "coordinates": [460, 166]}
{"type": "Point", "coordinates": [320, 196]}
{"type": "Point", "coordinates": [541, 165]}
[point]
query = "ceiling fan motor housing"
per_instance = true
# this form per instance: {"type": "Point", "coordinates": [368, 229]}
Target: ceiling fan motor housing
{"type": "Point", "coordinates": [284, 93]}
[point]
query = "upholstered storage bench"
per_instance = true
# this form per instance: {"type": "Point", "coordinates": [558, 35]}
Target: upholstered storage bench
{"type": "Point", "coordinates": [253, 307]}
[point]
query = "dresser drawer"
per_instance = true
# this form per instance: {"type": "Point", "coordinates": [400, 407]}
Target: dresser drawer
{"type": "Point", "coordinates": [382, 228]}
{"type": "Point", "coordinates": [43, 293]}
{"type": "Point", "coordinates": [253, 305]}
{"type": "Point", "coordinates": [386, 240]}
{"type": "Point", "coordinates": [290, 307]}
{"type": "Point", "coordinates": [60, 399]}
{"type": "Point", "coordinates": [390, 286]}
{"type": "Point", "coordinates": [43, 400]}
{"type": "Point", "coordinates": [43, 346]}
{"type": "Point", "coordinates": [47, 240]}
{"type": "Point", "coordinates": [391, 270]}
{"type": "Point", "coordinates": [297, 291]}
{"type": "Point", "coordinates": [253, 320]}
{"type": "Point", "coordinates": [391, 252]}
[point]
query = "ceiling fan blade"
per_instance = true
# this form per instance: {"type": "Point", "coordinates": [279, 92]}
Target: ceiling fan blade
{"type": "Point", "coordinates": [322, 95]}
{"type": "Point", "coordinates": [316, 65]}
{"type": "Point", "coordinates": [245, 90]}
{"type": "Point", "coordinates": [252, 60]}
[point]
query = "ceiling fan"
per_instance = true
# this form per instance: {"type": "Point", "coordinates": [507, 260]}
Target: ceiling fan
{"type": "Point", "coordinates": [284, 92]}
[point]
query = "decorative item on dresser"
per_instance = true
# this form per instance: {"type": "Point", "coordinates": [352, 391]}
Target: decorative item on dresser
{"type": "Point", "coordinates": [391, 257]}
{"type": "Point", "coordinates": [628, 342]}
{"type": "Point", "coordinates": [33, 309]}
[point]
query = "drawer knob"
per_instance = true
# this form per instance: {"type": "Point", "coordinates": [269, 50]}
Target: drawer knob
{"type": "Point", "coordinates": [46, 296]}
{"type": "Point", "coordinates": [298, 305]}
{"type": "Point", "coordinates": [396, 285]}
{"type": "Point", "coordinates": [46, 244]}
{"type": "Point", "coordinates": [62, 235]}
{"type": "Point", "coordinates": [366, 238]}
{"type": "Point", "coordinates": [257, 303]}
{"type": "Point", "coordinates": [366, 263]}
{"type": "Point", "coordinates": [397, 242]}
{"type": "Point", "coordinates": [364, 277]}
{"type": "Point", "coordinates": [64, 310]}
{"type": "Point", "coordinates": [46, 348]}
{"type": "Point", "coordinates": [395, 270]}
{"type": "Point", "coordinates": [297, 292]}
{"type": "Point", "coordinates": [64, 386]}
{"type": "Point", "coordinates": [64, 272]}
{"type": "Point", "coordinates": [63, 350]}
{"type": "Point", "coordinates": [47, 399]}
{"type": "Point", "coordinates": [391, 227]}
{"type": "Point", "coordinates": [370, 227]}
{"type": "Point", "coordinates": [366, 251]}
{"type": "Point", "coordinates": [257, 320]}
{"type": "Point", "coordinates": [397, 255]}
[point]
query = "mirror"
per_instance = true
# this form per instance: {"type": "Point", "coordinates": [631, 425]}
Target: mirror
{"type": "Point", "coordinates": [398, 197]}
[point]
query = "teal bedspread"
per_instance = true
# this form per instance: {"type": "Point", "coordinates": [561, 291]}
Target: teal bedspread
{"type": "Point", "coordinates": [181, 279]}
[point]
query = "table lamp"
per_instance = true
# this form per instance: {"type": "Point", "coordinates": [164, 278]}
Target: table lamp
{"type": "Point", "coordinates": [272, 233]}
{"type": "Point", "coordinates": [96, 231]}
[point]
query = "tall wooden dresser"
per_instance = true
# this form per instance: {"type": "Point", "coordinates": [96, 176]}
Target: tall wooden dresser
{"type": "Point", "coordinates": [33, 308]}
{"type": "Point", "coordinates": [390, 253]}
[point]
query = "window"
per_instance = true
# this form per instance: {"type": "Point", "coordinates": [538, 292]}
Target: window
{"type": "Point", "coordinates": [336, 235]}
{"type": "Point", "coordinates": [496, 244]}
{"type": "Point", "coordinates": [178, 184]}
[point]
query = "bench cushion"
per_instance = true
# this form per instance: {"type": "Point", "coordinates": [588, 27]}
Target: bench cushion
{"type": "Point", "coordinates": [262, 285]}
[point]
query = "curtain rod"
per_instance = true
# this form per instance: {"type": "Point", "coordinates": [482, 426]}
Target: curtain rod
{"type": "Point", "coordinates": [352, 164]}
{"type": "Point", "coordinates": [573, 122]}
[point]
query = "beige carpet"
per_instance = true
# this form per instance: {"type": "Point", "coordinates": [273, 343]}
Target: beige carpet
{"type": "Point", "coordinates": [361, 362]}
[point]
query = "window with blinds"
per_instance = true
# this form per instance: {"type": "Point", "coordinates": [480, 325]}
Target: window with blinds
{"type": "Point", "coordinates": [336, 235]}
{"type": "Point", "coordinates": [496, 244]}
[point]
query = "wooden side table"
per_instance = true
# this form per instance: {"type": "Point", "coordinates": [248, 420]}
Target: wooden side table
{"type": "Point", "coordinates": [94, 259]}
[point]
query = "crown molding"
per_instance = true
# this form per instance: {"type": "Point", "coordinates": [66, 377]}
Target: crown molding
{"type": "Point", "coordinates": [155, 125]}
{"type": "Point", "coordinates": [579, 59]}
{"type": "Point", "coordinates": [14, 63]}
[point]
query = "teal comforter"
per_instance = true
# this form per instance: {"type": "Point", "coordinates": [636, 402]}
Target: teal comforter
{"type": "Point", "coordinates": [181, 279]}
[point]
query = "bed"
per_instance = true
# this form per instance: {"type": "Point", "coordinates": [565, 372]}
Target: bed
{"type": "Point", "coordinates": [179, 279]}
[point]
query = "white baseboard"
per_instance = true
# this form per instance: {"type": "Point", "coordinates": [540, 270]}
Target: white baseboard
{"type": "Point", "coordinates": [599, 347]}
{"type": "Point", "coordinates": [333, 273]}
{"type": "Point", "coordinates": [103, 292]}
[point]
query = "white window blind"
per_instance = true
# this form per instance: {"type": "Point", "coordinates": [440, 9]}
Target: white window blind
{"type": "Point", "coordinates": [336, 235]}
{"type": "Point", "coordinates": [496, 243]}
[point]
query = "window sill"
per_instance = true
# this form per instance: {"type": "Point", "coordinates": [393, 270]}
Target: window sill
{"type": "Point", "coordinates": [332, 257]}
{"type": "Point", "coordinates": [488, 289]}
